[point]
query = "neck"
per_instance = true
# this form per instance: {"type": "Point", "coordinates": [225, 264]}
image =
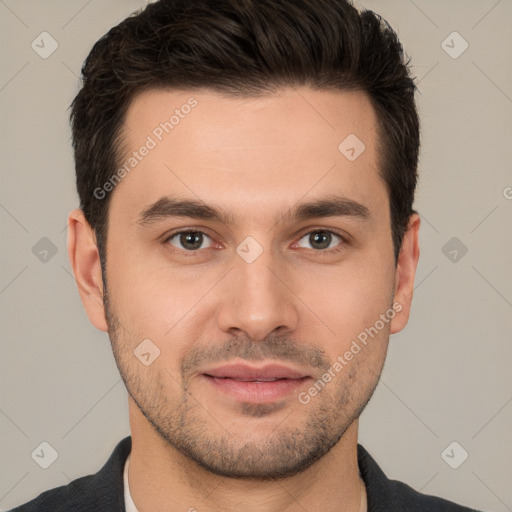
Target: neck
{"type": "Point", "coordinates": [162, 478]}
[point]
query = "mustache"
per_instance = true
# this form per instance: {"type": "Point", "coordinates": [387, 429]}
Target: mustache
{"type": "Point", "coordinates": [273, 347]}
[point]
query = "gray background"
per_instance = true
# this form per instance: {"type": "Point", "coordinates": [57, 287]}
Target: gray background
{"type": "Point", "coordinates": [448, 375]}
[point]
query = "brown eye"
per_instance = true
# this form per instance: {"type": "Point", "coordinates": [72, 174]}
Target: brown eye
{"type": "Point", "coordinates": [188, 240]}
{"type": "Point", "coordinates": [322, 239]}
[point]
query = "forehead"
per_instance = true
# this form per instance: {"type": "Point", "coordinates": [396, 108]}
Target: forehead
{"type": "Point", "coordinates": [212, 121]}
{"type": "Point", "coordinates": [254, 154]}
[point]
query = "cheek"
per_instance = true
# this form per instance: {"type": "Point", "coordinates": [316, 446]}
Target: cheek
{"type": "Point", "coordinates": [348, 299]}
{"type": "Point", "coordinates": [154, 299]}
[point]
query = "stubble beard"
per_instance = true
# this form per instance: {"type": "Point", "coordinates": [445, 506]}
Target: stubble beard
{"type": "Point", "coordinates": [184, 423]}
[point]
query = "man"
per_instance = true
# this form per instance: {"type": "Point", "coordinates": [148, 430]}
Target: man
{"type": "Point", "coordinates": [247, 238]}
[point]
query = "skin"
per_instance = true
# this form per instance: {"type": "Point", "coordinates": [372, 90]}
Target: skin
{"type": "Point", "coordinates": [195, 447]}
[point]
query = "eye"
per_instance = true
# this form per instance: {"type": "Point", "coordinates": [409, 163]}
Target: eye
{"type": "Point", "coordinates": [322, 239]}
{"type": "Point", "coordinates": [188, 240]}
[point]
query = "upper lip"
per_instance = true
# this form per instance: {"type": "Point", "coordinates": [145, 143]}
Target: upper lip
{"type": "Point", "coordinates": [246, 372]}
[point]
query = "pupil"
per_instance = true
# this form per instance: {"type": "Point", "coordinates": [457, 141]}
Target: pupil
{"type": "Point", "coordinates": [315, 238]}
{"type": "Point", "coordinates": [188, 239]}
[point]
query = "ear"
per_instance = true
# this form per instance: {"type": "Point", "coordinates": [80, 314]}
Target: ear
{"type": "Point", "coordinates": [405, 273]}
{"type": "Point", "coordinates": [85, 261]}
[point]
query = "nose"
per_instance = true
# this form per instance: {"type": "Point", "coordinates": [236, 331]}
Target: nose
{"type": "Point", "coordinates": [258, 299]}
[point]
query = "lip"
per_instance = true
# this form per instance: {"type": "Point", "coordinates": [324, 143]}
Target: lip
{"type": "Point", "coordinates": [267, 384]}
{"type": "Point", "coordinates": [245, 372]}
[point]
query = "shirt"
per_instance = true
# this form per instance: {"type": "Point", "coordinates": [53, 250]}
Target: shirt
{"type": "Point", "coordinates": [105, 491]}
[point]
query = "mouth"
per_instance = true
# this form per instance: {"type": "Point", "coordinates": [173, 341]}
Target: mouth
{"type": "Point", "coordinates": [256, 385]}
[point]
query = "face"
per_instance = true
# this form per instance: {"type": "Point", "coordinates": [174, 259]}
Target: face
{"type": "Point", "coordinates": [248, 256]}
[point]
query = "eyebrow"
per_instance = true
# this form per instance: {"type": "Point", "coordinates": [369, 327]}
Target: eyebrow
{"type": "Point", "coordinates": [329, 206]}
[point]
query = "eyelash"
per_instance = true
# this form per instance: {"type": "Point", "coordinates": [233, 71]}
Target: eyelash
{"type": "Point", "coordinates": [193, 253]}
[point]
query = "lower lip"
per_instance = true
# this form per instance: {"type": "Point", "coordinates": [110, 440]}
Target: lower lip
{"type": "Point", "coordinates": [257, 392]}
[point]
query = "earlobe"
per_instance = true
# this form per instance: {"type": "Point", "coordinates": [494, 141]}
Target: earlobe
{"type": "Point", "coordinates": [405, 273]}
{"type": "Point", "coordinates": [85, 262]}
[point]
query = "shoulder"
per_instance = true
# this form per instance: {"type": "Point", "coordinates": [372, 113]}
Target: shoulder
{"type": "Point", "coordinates": [74, 496]}
{"type": "Point", "coordinates": [411, 501]}
{"type": "Point", "coordinates": [384, 494]}
{"type": "Point", "coordinates": [102, 491]}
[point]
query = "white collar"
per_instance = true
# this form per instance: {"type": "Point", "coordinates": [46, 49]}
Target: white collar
{"type": "Point", "coordinates": [128, 502]}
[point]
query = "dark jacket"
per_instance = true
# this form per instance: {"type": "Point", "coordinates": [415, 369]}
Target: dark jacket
{"type": "Point", "coordinates": [103, 491]}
